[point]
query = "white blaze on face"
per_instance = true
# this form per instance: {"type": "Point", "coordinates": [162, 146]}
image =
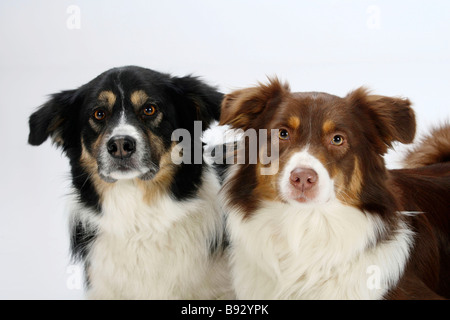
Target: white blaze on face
{"type": "Point", "coordinates": [123, 128]}
{"type": "Point", "coordinates": [321, 192]}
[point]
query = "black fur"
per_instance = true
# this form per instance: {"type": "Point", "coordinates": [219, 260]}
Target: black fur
{"type": "Point", "coordinates": [65, 118]}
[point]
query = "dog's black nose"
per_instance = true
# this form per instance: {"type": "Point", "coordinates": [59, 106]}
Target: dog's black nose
{"type": "Point", "coordinates": [121, 147]}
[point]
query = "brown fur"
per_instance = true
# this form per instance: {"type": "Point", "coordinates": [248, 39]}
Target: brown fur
{"type": "Point", "coordinates": [427, 190]}
{"type": "Point", "coordinates": [159, 185]}
{"type": "Point", "coordinates": [294, 122]}
{"type": "Point", "coordinates": [89, 163]}
{"type": "Point", "coordinates": [377, 121]}
{"type": "Point", "coordinates": [433, 148]}
{"type": "Point", "coordinates": [369, 125]}
{"type": "Point", "coordinates": [241, 107]}
{"type": "Point", "coordinates": [138, 98]}
{"type": "Point", "coordinates": [107, 99]}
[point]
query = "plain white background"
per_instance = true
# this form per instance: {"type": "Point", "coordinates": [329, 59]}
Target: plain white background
{"type": "Point", "coordinates": [398, 48]}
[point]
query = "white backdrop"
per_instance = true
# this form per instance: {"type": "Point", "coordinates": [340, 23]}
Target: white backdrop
{"type": "Point", "coordinates": [393, 47]}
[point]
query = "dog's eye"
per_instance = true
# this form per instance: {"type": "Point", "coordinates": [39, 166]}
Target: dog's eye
{"type": "Point", "coordinates": [99, 115]}
{"type": "Point", "coordinates": [149, 110]}
{"type": "Point", "coordinates": [283, 134]}
{"type": "Point", "coordinates": [337, 140]}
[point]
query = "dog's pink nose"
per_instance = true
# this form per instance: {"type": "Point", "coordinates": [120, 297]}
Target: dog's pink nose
{"type": "Point", "coordinates": [303, 178]}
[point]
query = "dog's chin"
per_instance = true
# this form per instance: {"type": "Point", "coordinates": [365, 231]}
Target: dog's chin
{"type": "Point", "coordinates": [128, 174]}
{"type": "Point", "coordinates": [297, 198]}
{"type": "Point", "coordinates": [301, 200]}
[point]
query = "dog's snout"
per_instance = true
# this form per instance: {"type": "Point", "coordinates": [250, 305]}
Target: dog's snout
{"type": "Point", "coordinates": [121, 146]}
{"type": "Point", "coordinates": [303, 178]}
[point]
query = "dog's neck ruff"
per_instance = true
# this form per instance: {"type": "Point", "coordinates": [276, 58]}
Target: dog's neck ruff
{"type": "Point", "coordinates": [331, 251]}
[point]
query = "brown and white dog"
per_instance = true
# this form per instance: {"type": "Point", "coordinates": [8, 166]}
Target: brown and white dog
{"type": "Point", "coordinates": [334, 222]}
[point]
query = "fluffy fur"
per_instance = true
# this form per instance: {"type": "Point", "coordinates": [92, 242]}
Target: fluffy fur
{"type": "Point", "coordinates": [144, 227]}
{"type": "Point", "coordinates": [352, 229]}
{"type": "Point", "coordinates": [433, 148]}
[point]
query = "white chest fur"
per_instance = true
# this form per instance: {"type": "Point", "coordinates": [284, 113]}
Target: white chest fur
{"type": "Point", "coordinates": [284, 252]}
{"type": "Point", "coordinates": [156, 251]}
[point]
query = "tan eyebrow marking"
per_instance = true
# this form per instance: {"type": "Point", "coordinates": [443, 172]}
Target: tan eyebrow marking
{"type": "Point", "coordinates": [138, 98]}
{"type": "Point", "coordinates": [294, 122]}
{"type": "Point", "coordinates": [108, 98]}
{"type": "Point", "coordinates": [328, 126]}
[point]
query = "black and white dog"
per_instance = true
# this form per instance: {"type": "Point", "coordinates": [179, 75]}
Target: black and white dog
{"type": "Point", "coordinates": [144, 227]}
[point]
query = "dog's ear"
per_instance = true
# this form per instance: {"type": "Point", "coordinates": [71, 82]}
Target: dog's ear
{"type": "Point", "coordinates": [200, 101]}
{"type": "Point", "coordinates": [241, 108]}
{"type": "Point", "coordinates": [51, 119]}
{"type": "Point", "coordinates": [393, 118]}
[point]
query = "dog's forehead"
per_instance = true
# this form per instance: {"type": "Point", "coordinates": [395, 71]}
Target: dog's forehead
{"type": "Point", "coordinates": [117, 91]}
{"type": "Point", "coordinates": [314, 100]}
{"type": "Point", "coordinates": [304, 107]}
